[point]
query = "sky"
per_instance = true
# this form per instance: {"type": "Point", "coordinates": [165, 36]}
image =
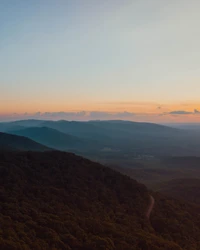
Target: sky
{"type": "Point", "coordinates": [90, 59]}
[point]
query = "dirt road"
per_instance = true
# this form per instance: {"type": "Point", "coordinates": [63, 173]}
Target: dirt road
{"type": "Point", "coordinates": [150, 208]}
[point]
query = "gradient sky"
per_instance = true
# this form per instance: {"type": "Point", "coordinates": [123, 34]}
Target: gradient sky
{"type": "Point", "coordinates": [129, 59]}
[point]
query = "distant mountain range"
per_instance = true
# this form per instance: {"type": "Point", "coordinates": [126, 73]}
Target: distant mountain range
{"type": "Point", "coordinates": [93, 128]}
{"type": "Point", "coordinates": [186, 126]}
{"type": "Point", "coordinates": [108, 140]}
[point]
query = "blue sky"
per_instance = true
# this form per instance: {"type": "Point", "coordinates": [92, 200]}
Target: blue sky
{"type": "Point", "coordinates": [74, 55]}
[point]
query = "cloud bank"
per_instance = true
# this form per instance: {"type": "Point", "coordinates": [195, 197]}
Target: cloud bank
{"type": "Point", "coordinates": [174, 115]}
{"type": "Point", "coordinates": [183, 112]}
{"type": "Point", "coordinates": [180, 112]}
{"type": "Point", "coordinates": [82, 116]}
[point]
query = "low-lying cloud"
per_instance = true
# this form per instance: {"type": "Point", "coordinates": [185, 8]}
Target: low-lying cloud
{"type": "Point", "coordinates": [82, 115]}
{"type": "Point", "coordinates": [180, 112]}
{"type": "Point", "coordinates": [107, 115]}
{"type": "Point", "coordinates": [103, 115]}
{"type": "Point", "coordinates": [183, 112]}
{"type": "Point", "coordinates": [196, 111]}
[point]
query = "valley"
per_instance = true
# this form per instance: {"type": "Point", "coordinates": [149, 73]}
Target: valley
{"type": "Point", "coordinates": [139, 190]}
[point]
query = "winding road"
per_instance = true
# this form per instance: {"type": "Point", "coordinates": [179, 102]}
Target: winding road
{"type": "Point", "coordinates": [150, 208]}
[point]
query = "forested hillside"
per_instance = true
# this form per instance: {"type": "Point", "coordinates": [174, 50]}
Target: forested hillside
{"type": "Point", "coordinates": [57, 200]}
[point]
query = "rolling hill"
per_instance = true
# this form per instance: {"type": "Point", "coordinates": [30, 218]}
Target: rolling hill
{"type": "Point", "coordinates": [107, 129]}
{"type": "Point", "coordinates": [20, 123]}
{"type": "Point", "coordinates": [188, 126]}
{"type": "Point", "coordinates": [14, 142]}
{"type": "Point", "coordinates": [123, 139]}
{"type": "Point", "coordinates": [111, 129]}
{"type": "Point", "coordinates": [132, 137]}
{"type": "Point", "coordinates": [57, 200]}
{"type": "Point", "coordinates": [6, 127]}
{"type": "Point", "coordinates": [135, 127]}
{"type": "Point", "coordinates": [79, 129]}
{"type": "Point", "coordinates": [51, 138]}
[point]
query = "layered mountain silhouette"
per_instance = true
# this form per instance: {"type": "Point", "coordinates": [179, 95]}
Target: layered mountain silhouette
{"type": "Point", "coordinates": [107, 129]}
{"type": "Point", "coordinates": [119, 138]}
{"type": "Point", "coordinates": [14, 142]}
{"type": "Point", "coordinates": [51, 137]}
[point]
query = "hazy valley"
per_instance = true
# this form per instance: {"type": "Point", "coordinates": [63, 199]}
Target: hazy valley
{"type": "Point", "coordinates": [57, 200]}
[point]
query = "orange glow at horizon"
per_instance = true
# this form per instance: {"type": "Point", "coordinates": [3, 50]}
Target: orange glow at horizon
{"type": "Point", "coordinates": [135, 107]}
{"type": "Point", "coordinates": [147, 111]}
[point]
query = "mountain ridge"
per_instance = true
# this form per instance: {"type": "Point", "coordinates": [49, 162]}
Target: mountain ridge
{"type": "Point", "coordinates": [14, 142]}
{"type": "Point", "coordinates": [50, 137]}
{"type": "Point", "coordinates": [122, 138]}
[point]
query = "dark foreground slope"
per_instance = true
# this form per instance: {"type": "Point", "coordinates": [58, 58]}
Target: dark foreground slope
{"type": "Point", "coordinates": [176, 220]}
{"type": "Point", "coordinates": [56, 200]}
{"type": "Point", "coordinates": [14, 142]}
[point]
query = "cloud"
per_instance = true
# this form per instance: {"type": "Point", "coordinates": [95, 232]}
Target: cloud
{"type": "Point", "coordinates": [108, 115]}
{"type": "Point", "coordinates": [180, 112]}
{"type": "Point", "coordinates": [81, 115]}
{"type": "Point", "coordinates": [103, 115]}
{"type": "Point", "coordinates": [196, 111]}
{"type": "Point", "coordinates": [125, 115]}
{"type": "Point", "coordinates": [36, 114]}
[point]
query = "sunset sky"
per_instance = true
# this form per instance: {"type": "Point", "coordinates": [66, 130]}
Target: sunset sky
{"type": "Point", "coordinates": [100, 59]}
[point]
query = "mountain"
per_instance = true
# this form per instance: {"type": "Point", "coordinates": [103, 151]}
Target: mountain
{"type": "Point", "coordinates": [137, 137]}
{"type": "Point", "coordinates": [186, 126]}
{"type": "Point", "coordinates": [80, 129]}
{"type": "Point", "coordinates": [23, 123]}
{"type": "Point", "coordinates": [110, 140]}
{"type": "Point", "coordinates": [131, 138]}
{"type": "Point", "coordinates": [14, 142]}
{"type": "Point", "coordinates": [17, 125]}
{"type": "Point", "coordinates": [57, 200]}
{"type": "Point", "coordinates": [51, 138]}
{"type": "Point", "coordinates": [110, 129]}
{"type": "Point", "coordinates": [107, 128]}
{"type": "Point", "coordinates": [6, 127]}
{"type": "Point", "coordinates": [135, 127]}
